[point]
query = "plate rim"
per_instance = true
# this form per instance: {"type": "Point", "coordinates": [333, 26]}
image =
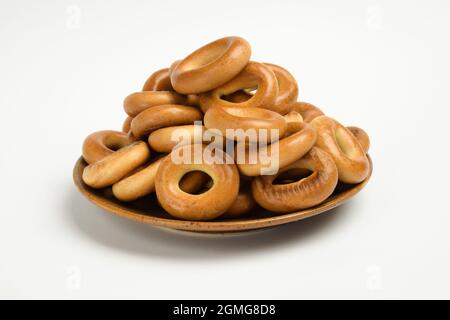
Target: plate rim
{"type": "Point", "coordinates": [232, 225]}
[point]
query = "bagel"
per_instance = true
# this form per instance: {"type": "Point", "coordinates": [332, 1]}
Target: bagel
{"type": "Point", "coordinates": [100, 144]}
{"type": "Point", "coordinates": [210, 66]}
{"type": "Point", "coordinates": [127, 124]}
{"type": "Point", "coordinates": [163, 116]}
{"type": "Point", "coordinates": [308, 111]}
{"type": "Point", "coordinates": [287, 89]}
{"type": "Point", "coordinates": [351, 160]}
{"type": "Point", "coordinates": [281, 153]}
{"type": "Point", "coordinates": [142, 182]}
{"type": "Point", "coordinates": [138, 184]}
{"type": "Point", "coordinates": [256, 119]}
{"type": "Point", "coordinates": [362, 137]}
{"type": "Point", "coordinates": [164, 139]}
{"type": "Point", "coordinates": [205, 206]}
{"type": "Point", "coordinates": [137, 102]}
{"type": "Point", "coordinates": [293, 120]}
{"type": "Point", "coordinates": [243, 204]}
{"type": "Point", "coordinates": [159, 81]}
{"type": "Point", "coordinates": [116, 166]}
{"type": "Point", "coordinates": [255, 75]}
{"type": "Point", "coordinates": [304, 193]}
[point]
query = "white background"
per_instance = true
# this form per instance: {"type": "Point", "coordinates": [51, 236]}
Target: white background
{"type": "Point", "coordinates": [65, 68]}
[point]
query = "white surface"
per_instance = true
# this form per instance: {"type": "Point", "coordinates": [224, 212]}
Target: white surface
{"type": "Point", "coordinates": [381, 65]}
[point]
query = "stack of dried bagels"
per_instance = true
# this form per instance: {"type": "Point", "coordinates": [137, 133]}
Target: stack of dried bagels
{"type": "Point", "coordinates": [217, 104]}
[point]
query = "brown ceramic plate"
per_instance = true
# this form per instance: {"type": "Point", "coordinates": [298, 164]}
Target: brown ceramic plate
{"type": "Point", "coordinates": [146, 209]}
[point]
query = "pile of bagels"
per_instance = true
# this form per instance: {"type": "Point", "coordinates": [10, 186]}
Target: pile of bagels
{"type": "Point", "coordinates": [220, 86]}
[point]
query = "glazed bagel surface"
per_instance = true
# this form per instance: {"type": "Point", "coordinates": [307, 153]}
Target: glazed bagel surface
{"type": "Point", "coordinates": [304, 193]}
{"type": "Point", "coordinates": [255, 75]}
{"type": "Point", "coordinates": [100, 144]}
{"type": "Point", "coordinates": [137, 102]}
{"type": "Point", "coordinates": [236, 118]}
{"type": "Point", "coordinates": [205, 206]}
{"type": "Point", "coordinates": [116, 166]}
{"type": "Point", "coordinates": [287, 89]}
{"type": "Point", "coordinates": [159, 81]}
{"type": "Point", "coordinates": [362, 137]}
{"type": "Point", "coordinates": [211, 66]}
{"type": "Point", "coordinates": [308, 111]}
{"type": "Point", "coordinates": [163, 116]}
{"type": "Point", "coordinates": [351, 160]}
{"type": "Point", "coordinates": [281, 153]}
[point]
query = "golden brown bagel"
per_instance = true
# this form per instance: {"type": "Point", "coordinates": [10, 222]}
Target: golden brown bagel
{"type": "Point", "coordinates": [243, 204]}
{"type": "Point", "coordinates": [293, 120]}
{"type": "Point", "coordinates": [281, 153]}
{"type": "Point", "coordinates": [205, 206]}
{"type": "Point", "coordinates": [163, 140]}
{"type": "Point", "coordinates": [287, 89]}
{"type": "Point", "coordinates": [237, 118]}
{"type": "Point", "coordinates": [138, 184]}
{"type": "Point", "coordinates": [362, 137]}
{"type": "Point", "coordinates": [159, 81]}
{"type": "Point", "coordinates": [142, 182]}
{"type": "Point", "coordinates": [301, 194]}
{"type": "Point", "coordinates": [137, 102]}
{"type": "Point", "coordinates": [255, 75]}
{"type": "Point", "coordinates": [308, 111]}
{"type": "Point", "coordinates": [100, 144]}
{"type": "Point", "coordinates": [127, 124]}
{"type": "Point", "coordinates": [163, 116]}
{"type": "Point", "coordinates": [351, 160]}
{"type": "Point", "coordinates": [116, 166]}
{"type": "Point", "coordinates": [210, 66]}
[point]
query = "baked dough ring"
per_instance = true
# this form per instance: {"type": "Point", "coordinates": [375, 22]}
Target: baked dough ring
{"type": "Point", "coordinates": [163, 116]}
{"type": "Point", "coordinates": [293, 120]}
{"type": "Point", "coordinates": [287, 89]}
{"type": "Point", "coordinates": [161, 140]}
{"type": "Point", "coordinates": [138, 184]}
{"type": "Point", "coordinates": [116, 166]}
{"type": "Point", "coordinates": [301, 194]}
{"type": "Point", "coordinates": [362, 137]}
{"type": "Point", "coordinates": [142, 182]}
{"type": "Point", "coordinates": [205, 206]}
{"type": "Point", "coordinates": [255, 75]}
{"type": "Point", "coordinates": [126, 126]}
{"type": "Point", "coordinates": [243, 204]}
{"type": "Point", "coordinates": [244, 118]}
{"type": "Point", "coordinates": [100, 144]}
{"type": "Point", "coordinates": [351, 160]}
{"type": "Point", "coordinates": [137, 102]}
{"type": "Point", "coordinates": [290, 149]}
{"type": "Point", "coordinates": [211, 66]}
{"type": "Point", "coordinates": [308, 111]}
{"type": "Point", "coordinates": [159, 81]}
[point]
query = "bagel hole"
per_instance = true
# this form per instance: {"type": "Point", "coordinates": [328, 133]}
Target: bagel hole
{"type": "Point", "coordinates": [195, 182]}
{"type": "Point", "coordinates": [237, 97]}
{"type": "Point", "coordinates": [241, 95]}
{"type": "Point", "coordinates": [292, 175]}
{"type": "Point", "coordinates": [115, 146]}
{"type": "Point", "coordinates": [251, 91]}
